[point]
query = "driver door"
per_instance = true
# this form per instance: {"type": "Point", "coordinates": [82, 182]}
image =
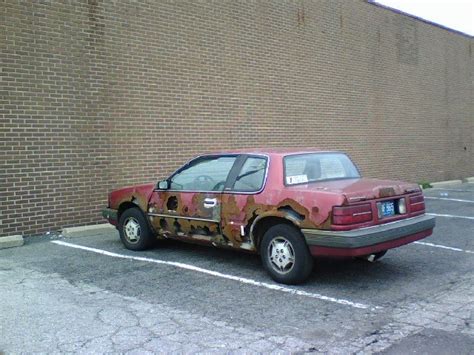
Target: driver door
{"type": "Point", "coordinates": [190, 207]}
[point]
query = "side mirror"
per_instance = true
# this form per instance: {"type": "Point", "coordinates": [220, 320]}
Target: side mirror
{"type": "Point", "coordinates": [163, 185]}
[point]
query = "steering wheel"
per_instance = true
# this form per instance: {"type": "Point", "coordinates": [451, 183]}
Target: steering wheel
{"type": "Point", "coordinates": [204, 180]}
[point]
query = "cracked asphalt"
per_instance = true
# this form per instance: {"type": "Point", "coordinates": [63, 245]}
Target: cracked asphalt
{"type": "Point", "coordinates": [57, 299]}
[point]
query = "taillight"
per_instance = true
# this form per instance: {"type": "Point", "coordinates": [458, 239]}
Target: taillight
{"type": "Point", "coordinates": [352, 214]}
{"type": "Point", "coordinates": [417, 203]}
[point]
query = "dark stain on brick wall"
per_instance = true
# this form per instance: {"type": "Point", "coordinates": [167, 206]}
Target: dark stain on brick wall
{"type": "Point", "coordinates": [407, 40]}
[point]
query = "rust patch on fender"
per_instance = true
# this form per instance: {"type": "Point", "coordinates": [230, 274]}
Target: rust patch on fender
{"type": "Point", "coordinates": [234, 218]}
{"type": "Point", "coordinates": [135, 197]}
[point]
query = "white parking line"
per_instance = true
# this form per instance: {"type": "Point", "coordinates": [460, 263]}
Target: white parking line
{"type": "Point", "coordinates": [445, 247]}
{"type": "Point", "coordinates": [449, 216]}
{"type": "Point", "coordinates": [448, 199]}
{"type": "Point", "coordinates": [453, 190]}
{"type": "Point", "coordinates": [219, 274]}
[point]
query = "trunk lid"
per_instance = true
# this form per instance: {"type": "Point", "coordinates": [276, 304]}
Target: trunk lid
{"type": "Point", "coordinates": [365, 202]}
{"type": "Point", "coordinates": [362, 189]}
{"type": "Point", "coordinates": [369, 189]}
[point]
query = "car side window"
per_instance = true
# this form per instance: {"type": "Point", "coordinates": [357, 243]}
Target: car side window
{"type": "Point", "coordinates": [203, 174]}
{"type": "Point", "coordinates": [251, 176]}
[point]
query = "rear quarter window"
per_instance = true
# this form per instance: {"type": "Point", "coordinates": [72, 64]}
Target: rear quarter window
{"type": "Point", "coordinates": [252, 175]}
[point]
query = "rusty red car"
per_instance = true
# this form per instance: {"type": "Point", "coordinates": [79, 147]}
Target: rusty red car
{"type": "Point", "coordinates": [288, 205]}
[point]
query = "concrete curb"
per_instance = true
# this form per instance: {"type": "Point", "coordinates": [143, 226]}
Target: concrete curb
{"type": "Point", "coordinates": [445, 183]}
{"type": "Point", "coordinates": [469, 180]}
{"type": "Point", "coordinates": [83, 231]}
{"type": "Point", "coordinates": [11, 241]}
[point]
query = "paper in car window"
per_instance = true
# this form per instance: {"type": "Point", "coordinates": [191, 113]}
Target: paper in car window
{"type": "Point", "coordinates": [296, 179]}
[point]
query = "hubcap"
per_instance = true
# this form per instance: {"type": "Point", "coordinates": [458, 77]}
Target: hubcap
{"type": "Point", "coordinates": [281, 255]}
{"type": "Point", "coordinates": [131, 229]}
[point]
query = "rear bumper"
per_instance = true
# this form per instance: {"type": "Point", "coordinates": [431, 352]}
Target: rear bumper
{"type": "Point", "coordinates": [110, 215]}
{"type": "Point", "coordinates": [368, 240]}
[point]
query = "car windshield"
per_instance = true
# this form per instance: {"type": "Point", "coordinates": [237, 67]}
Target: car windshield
{"type": "Point", "coordinates": [304, 168]}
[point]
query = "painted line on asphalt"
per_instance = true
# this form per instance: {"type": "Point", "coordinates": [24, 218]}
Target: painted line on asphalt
{"type": "Point", "coordinates": [448, 199]}
{"type": "Point", "coordinates": [449, 216]}
{"type": "Point", "coordinates": [221, 275]}
{"type": "Point", "coordinates": [444, 247]}
{"type": "Point", "coordinates": [454, 190]}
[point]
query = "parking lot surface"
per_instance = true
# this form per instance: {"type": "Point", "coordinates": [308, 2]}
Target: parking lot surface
{"type": "Point", "coordinates": [90, 294]}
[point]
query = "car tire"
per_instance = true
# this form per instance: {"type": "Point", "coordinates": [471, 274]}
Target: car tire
{"type": "Point", "coordinates": [285, 255]}
{"type": "Point", "coordinates": [134, 230]}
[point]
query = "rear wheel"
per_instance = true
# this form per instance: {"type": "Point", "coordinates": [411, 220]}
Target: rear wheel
{"type": "Point", "coordinates": [134, 230]}
{"type": "Point", "coordinates": [285, 254]}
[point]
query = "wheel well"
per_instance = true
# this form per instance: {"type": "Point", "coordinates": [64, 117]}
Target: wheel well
{"type": "Point", "coordinates": [123, 207]}
{"type": "Point", "coordinates": [127, 205]}
{"type": "Point", "coordinates": [264, 224]}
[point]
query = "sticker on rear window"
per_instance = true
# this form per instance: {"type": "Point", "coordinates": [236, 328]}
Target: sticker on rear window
{"type": "Point", "coordinates": [296, 179]}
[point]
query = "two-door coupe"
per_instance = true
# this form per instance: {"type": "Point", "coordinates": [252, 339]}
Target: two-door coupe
{"type": "Point", "coordinates": [287, 205]}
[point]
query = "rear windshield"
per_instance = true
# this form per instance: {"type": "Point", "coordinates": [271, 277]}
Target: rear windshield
{"type": "Point", "coordinates": [304, 168]}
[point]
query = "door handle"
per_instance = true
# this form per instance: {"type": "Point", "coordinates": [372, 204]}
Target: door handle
{"type": "Point", "coordinates": [210, 202]}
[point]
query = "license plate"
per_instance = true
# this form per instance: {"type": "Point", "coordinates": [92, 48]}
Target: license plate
{"type": "Point", "coordinates": [388, 208]}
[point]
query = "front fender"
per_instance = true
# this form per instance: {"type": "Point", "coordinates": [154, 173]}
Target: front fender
{"type": "Point", "coordinates": [138, 195]}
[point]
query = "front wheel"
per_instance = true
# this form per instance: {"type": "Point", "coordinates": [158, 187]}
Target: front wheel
{"type": "Point", "coordinates": [134, 230]}
{"type": "Point", "coordinates": [285, 255]}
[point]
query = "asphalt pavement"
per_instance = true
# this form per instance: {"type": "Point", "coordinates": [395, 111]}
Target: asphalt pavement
{"type": "Point", "coordinates": [91, 295]}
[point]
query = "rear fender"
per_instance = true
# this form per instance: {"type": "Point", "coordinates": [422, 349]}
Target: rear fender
{"type": "Point", "coordinates": [287, 216]}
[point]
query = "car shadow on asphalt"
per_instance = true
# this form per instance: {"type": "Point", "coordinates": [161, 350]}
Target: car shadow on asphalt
{"type": "Point", "coordinates": [326, 271]}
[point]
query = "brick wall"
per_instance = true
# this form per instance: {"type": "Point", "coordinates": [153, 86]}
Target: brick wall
{"type": "Point", "coordinates": [99, 94]}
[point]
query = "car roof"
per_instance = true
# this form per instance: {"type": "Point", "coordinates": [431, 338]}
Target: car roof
{"type": "Point", "coordinates": [275, 151]}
